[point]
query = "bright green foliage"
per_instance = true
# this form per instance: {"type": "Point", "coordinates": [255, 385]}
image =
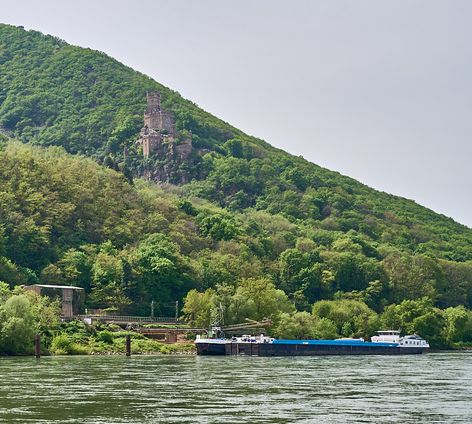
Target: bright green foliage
{"type": "Point", "coordinates": [418, 316]}
{"type": "Point", "coordinates": [303, 325]}
{"type": "Point", "coordinates": [352, 318]}
{"type": "Point", "coordinates": [128, 245]}
{"type": "Point", "coordinates": [325, 329]}
{"type": "Point", "coordinates": [108, 279]}
{"type": "Point", "coordinates": [76, 268]}
{"type": "Point", "coordinates": [88, 103]}
{"type": "Point", "coordinates": [300, 325]}
{"type": "Point", "coordinates": [251, 298]}
{"type": "Point", "coordinates": [198, 307]}
{"type": "Point", "coordinates": [458, 321]}
{"type": "Point", "coordinates": [257, 298]}
{"type": "Point", "coordinates": [17, 328]}
{"type": "Point", "coordinates": [62, 344]}
{"type": "Point", "coordinates": [264, 230]}
{"type": "Point", "coordinates": [218, 227]}
{"type": "Point", "coordinates": [105, 336]}
{"type": "Point", "coordinates": [21, 316]}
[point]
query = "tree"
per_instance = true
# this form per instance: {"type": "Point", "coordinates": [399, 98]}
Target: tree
{"type": "Point", "coordinates": [416, 316]}
{"type": "Point", "coordinates": [52, 274]}
{"type": "Point", "coordinates": [252, 298]}
{"type": "Point", "coordinates": [325, 329]}
{"type": "Point", "coordinates": [197, 309]}
{"type": "Point", "coordinates": [159, 273]}
{"type": "Point", "coordinates": [412, 277]}
{"type": "Point", "coordinates": [22, 314]}
{"type": "Point", "coordinates": [301, 276]}
{"type": "Point", "coordinates": [257, 298]}
{"type": "Point", "coordinates": [456, 320]}
{"type": "Point", "coordinates": [17, 326]}
{"type": "Point", "coordinates": [219, 227]}
{"type": "Point", "coordinates": [108, 280]}
{"type": "Point", "coordinates": [234, 147]}
{"type": "Point", "coordinates": [353, 271]}
{"type": "Point", "coordinates": [300, 325]}
{"type": "Point", "coordinates": [352, 318]}
{"type": "Point", "coordinates": [76, 268]}
{"type": "Point", "coordinates": [456, 288]}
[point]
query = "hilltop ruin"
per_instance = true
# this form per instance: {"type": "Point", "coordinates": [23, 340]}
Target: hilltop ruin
{"type": "Point", "coordinates": [159, 140]}
{"type": "Point", "coordinates": [158, 135]}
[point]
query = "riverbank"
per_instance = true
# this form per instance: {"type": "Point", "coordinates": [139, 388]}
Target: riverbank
{"type": "Point", "coordinates": [462, 346]}
{"type": "Point", "coordinates": [143, 346]}
{"type": "Point", "coordinates": [108, 343]}
{"type": "Point", "coordinates": [79, 338]}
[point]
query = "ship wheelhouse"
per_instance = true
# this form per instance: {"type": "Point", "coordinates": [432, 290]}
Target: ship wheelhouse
{"type": "Point", "coordinates": [387, 336]}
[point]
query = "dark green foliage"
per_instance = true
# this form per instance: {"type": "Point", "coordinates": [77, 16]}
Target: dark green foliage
{"type": "Point", "coordinates": [52, 93]}
{"type": "Point", "coordinates": [65, 220]}
{"type": "Point", "coordinates": [160, 273]}
{"type": "Point", "coordinates": [218, 227]}
{"type": "Point", "coordinates": [252, 213]}
{"type": "Point", "coordinates": [56, 94]}
{"type": "Point", "coordinates": [187, 207]}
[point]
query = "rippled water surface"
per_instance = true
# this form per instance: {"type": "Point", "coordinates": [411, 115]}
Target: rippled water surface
{"type": "Point", "coordinates": [432, 388]}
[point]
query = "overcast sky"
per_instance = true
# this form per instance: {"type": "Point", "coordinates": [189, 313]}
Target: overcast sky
{"type": "Point", "coordinates": [377, 90]}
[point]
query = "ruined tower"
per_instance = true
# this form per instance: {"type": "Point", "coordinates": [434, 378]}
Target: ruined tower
{"type": "Point", "coordinates": [153, 101]}
{"type": "Point", "coordinates": [157, 119]}
{"type": "Point", "coordinates": [158, 127]}
{"type": "Point", "coordinates": [170, 149]}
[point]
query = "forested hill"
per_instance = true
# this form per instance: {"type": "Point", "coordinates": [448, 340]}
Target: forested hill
{"type": "Point", "coordinates": [52, 93]}
{"type": "Point", "coordinates": [67, 220]}
{"type": "Point", "coordinates": [313, 232]}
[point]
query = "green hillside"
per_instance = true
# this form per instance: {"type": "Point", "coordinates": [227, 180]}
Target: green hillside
{"type": "Point", "coordinates": [251, 216]}
{"type": "Point", "coordinates": [67, 220]}
{"type": "Point", "coordinates": [52, 93]}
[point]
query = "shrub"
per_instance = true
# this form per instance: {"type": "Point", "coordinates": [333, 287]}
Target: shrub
{"type": "Point", "coordinates": [62, 344]}
{"type": "Point", "coordinates": [105, 336]}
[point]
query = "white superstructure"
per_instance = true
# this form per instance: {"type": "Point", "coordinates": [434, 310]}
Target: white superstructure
{"type": "Point", "coordinates": [393, 336]}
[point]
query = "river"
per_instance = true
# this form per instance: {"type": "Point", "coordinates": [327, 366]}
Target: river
{"type": "Point", "coordinates": [431, 388]}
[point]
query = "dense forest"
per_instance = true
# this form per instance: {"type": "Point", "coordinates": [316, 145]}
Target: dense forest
{"type": "Point", "coordinates": [263, 233]}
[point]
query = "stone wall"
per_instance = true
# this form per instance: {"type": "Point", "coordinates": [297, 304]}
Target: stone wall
{"type": "Point", "coordinates": [159, 140]}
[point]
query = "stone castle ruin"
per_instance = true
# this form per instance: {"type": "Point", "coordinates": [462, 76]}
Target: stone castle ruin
{"type": "Point", "coordinates": [158, 136]}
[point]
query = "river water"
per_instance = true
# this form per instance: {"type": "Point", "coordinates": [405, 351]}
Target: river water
{"type": "Point", "coordinates": [431, 388]}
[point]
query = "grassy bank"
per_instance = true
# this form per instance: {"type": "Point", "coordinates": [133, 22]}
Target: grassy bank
{"type": "Point", "coordinates": [64, 345]}
{"type": "Point", "coordinates": [77, 338]}
{"type": "Point", "coordinates": [462, 346]}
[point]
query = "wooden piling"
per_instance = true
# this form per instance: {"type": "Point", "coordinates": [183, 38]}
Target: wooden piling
{"type": "Point", "coordinates": [37, 346]}
{"type": "Point", "coordinates": [128, 345]}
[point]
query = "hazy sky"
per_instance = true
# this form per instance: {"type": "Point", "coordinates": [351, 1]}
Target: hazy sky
{"type": "Point", "coordinates": [378, 90]}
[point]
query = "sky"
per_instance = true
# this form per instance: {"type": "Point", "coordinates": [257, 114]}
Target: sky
{"type": "Point", "coordinates": [378, 90]}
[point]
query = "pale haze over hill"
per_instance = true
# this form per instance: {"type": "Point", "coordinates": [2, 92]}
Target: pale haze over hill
{"type": "Point", "coordinates": [380, 91]}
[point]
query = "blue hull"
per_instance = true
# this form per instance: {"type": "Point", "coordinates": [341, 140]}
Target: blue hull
{"type": "Point", "coordinates": [306, 348]}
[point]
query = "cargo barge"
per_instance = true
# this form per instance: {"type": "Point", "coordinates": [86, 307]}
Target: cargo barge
{"type": "Point", "coordinates": [385, 343]}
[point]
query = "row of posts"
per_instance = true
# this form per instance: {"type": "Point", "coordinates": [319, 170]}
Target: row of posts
{"type": "Point", "coordinates": [37, 345]}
